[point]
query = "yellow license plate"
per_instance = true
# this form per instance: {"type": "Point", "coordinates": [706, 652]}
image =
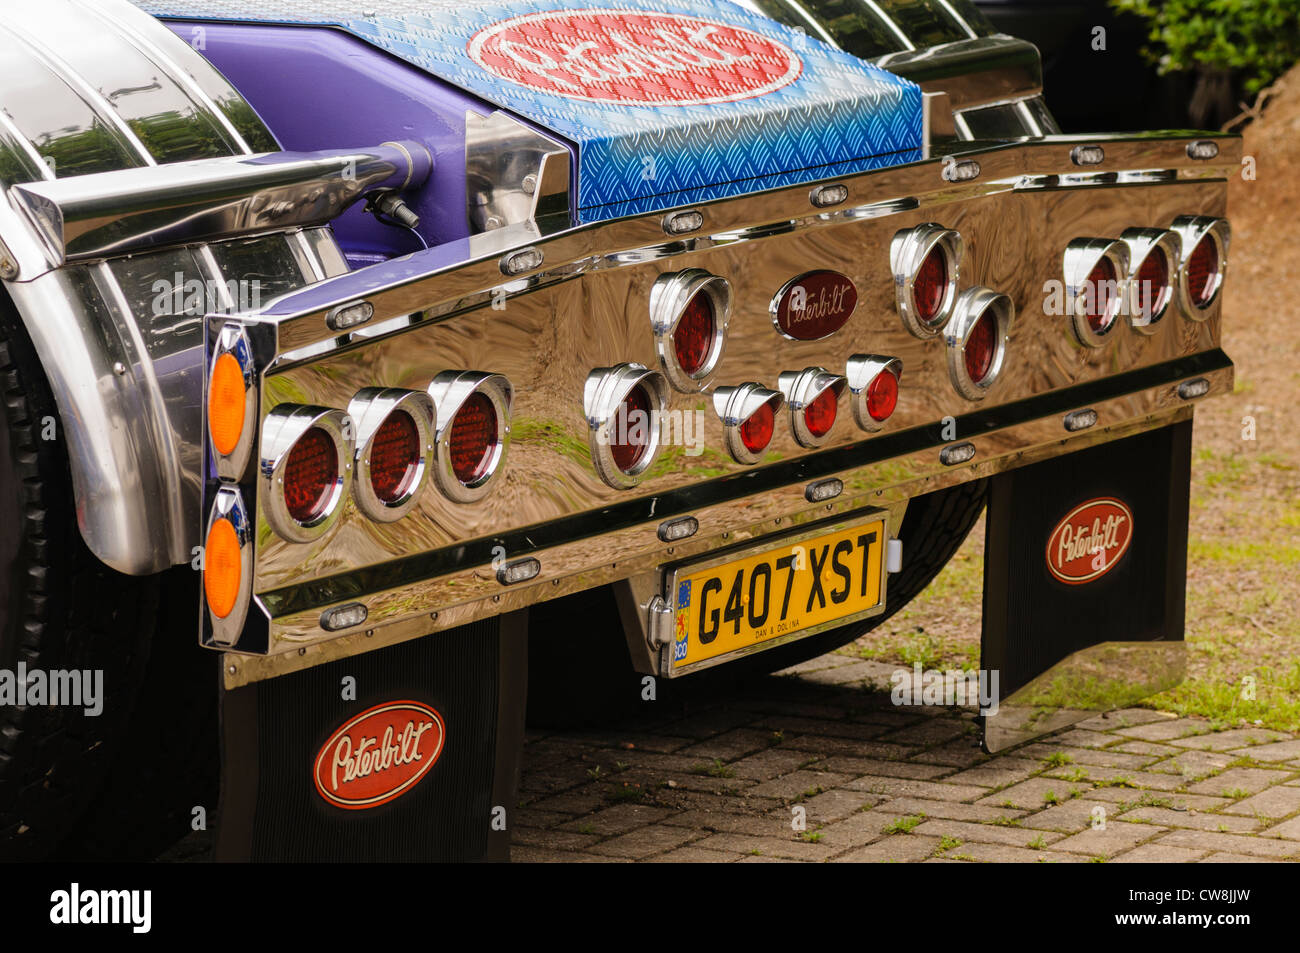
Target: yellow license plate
{"type": "Point", "coordinates": [731, 606]}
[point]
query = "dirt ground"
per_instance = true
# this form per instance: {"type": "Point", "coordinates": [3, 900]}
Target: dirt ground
{"type": "Point", "coordinates": [1243, 585]}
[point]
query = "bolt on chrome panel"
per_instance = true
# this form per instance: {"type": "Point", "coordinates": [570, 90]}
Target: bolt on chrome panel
{"type": "Point", "coordinates": [233, 340]}
{"type": "Point", "coordinates": [1141, 243]}
{"type": "Point", "coordinates": [669, 297]}
{"type": "Point", "coordinates": [801, 388]}
{"type": "Point", "coordinates": [735, 405]}
{"type": "Point", "coordinates": [603, 394]}
{"type": "Point", "coordinates": [1191, 229]}
{"type": "Point", "coordinates": [587, 310]}
{"type": "Point", "coordinates": [449, 391]}
{"type": "Point", "coordinates": [368, 410]}
{"type": "Point", "coordinates": [1082, 255]}
{"type": "Point", "coordinates": [860, 371]}
{"type": "Point", "coordinates": [907, 251]}
{"type": "Point", "coordinates": [280, 431]}
{"type": "Point", "coordinates": [228, 504]}
{"type": "Point", "coordinates": [973, 304]}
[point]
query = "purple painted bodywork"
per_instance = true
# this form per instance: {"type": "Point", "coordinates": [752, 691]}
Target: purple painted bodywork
{"type": "Point", "coordinates": [319, 88]}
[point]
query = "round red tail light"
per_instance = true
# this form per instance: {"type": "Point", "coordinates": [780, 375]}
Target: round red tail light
{"type": "Point", "coordinates": [473, 438]}
{"type": "Point", "coordinates": [631, 437]}
{"type": "Point", "coordinates": [395, 457]}
{"type": "Point", "coordinates": [693, 338]}
{"type": "Point", "coordinates": [930, 286]}
{"type": "Point", "coordinates": [756, 431]}
{"type": "Point", "coordinates": [981, 347]}
{"type": "Point", "coordinates": [882, 396]}
{"type": "Point", "coordinates": [310, 474]}
{"type": "Point", "coordinates": [1100, 294]}
{"type": "Point", "coordinates": [1153, 284]}
{"type": "Point", "coordinates": [819, 415]}
{"type": "Point", "coordinates": [1203, 272]}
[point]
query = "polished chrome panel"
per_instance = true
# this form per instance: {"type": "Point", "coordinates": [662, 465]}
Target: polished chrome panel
{"type": "Point", "coordinates": [1081, 256]}
{"type": "Point", "coordinates": [449, 391]}
{"type": "Point", "coordinates": [514, 174]}
{"type": "Point", "coordinates": [281, 430]}
{"type": "Point", "coordinates": [907, 252]}
{"type": "Point", "coordinates": [229, 505]}
{"type": "Point", "coordinates": [1191, 229]}
{"type": "Point", "coordinates": [552, 330]}
{"type": "Point", "coordinates": [368, 410]}
{"type": "Point", "coordinates": [735, 405]}
{"type": "Point", "coordinates": [444, 602]}
{"type": "Point", "coordinates": [1145, 314]}
{"type": "Point", "coordinates": [669, 297]}
{"type": "Point", "coordinates": [973, 304]}
{"type": "Point", "coordinates": [112, 213]}
{"type": "Point", "coordinates": [860, 371]}
{"type": "Point", "coordinates": [602, 399]}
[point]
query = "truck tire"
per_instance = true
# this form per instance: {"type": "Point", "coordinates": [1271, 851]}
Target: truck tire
{"type": "Point", "coordinates": [61, 609]}
{"type": "Point", "coordinates": [580, 673]}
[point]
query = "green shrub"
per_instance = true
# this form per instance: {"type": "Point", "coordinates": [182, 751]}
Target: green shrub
{"type": "Point", "coordinates": [1257, 40]}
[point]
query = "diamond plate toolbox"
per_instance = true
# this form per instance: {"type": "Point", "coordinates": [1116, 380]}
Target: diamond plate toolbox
{"type": "Point", "coordinates": [667, 103]}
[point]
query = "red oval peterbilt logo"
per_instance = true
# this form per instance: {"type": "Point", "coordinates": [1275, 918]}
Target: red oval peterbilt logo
{"type": "Point", "coordinates": [814, 305]}
{"type": "Point", "coordinates": [379, 755]}
{"type": "Point", "coordinates": [1092, 538]}
{"type": "Point", "coordinates": [633, 58]}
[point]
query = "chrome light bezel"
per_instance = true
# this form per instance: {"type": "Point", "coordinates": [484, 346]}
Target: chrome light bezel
{"type": "Point", "coordinates": [369, 409]}
{"type": "Point", "coordinates": [232, 339]}
{"type": "Point", "coordinates": [735, 405]}
{"type": "Point", "coordinates": [1081, 256]}
{"type": "Point", "coordinates": [800, 389]}
{"type": "Point", "coordinates": [907, 252]}
{"type": "Point", "coordinates": [1141, 242]}
{"type": "Point", "coordinates": [670, 295]}
{"type": "Point", "coordinates": [860, 371]}
{"type": "Point", "coordinates": [971, 305]}
{"type": "Point", "coordinates": [449, 391]}
{"type": "Point", "coordinates": [603, 394]}
{"type": "Point", "coordinates": [281, 429]}
{"type": "Point", "coordinates": [1191, 229]}
{"type": "Point", "coordinates": [229, 504]}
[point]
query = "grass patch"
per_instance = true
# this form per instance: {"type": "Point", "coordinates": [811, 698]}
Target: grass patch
{"type": "Point", "coordinates": [904, 825]}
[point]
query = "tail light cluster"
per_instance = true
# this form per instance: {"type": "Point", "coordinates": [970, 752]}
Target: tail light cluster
{"type": "Point", "coordinates": [926, 262]}
{"type": "Point", "coordinates": [1140, 275]}
{"type": "Point", "coordinates": [383, 451]}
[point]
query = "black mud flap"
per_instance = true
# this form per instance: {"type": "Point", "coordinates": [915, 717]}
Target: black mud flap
{"type": "Point", "coordinates": [1084, 583]}
{"type": "Point", "coordinates": [406, 753]}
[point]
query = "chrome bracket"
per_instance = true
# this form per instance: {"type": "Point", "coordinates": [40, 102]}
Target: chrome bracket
{"type": "Point", "coordinates": [514, 174]}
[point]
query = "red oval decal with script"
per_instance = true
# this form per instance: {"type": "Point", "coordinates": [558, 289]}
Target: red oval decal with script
{"type": "Point", "coordinates": [1089, 541]}
{"type": "Point", "coordinates": [634, 58]}
{"type": "Point", "coordinates": [379, 755]}
{"type": "Point", "coordinates": [814, 305]}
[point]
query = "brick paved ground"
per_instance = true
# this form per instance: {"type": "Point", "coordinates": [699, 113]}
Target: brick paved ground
{"type": "Point", "coordinates": [882, 783]}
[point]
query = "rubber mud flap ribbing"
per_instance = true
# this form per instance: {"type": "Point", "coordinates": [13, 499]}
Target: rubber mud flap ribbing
{"type": "Point", "coordinates": [61, 610]}
{"type": "Point", "coordinates": [406, 753]}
